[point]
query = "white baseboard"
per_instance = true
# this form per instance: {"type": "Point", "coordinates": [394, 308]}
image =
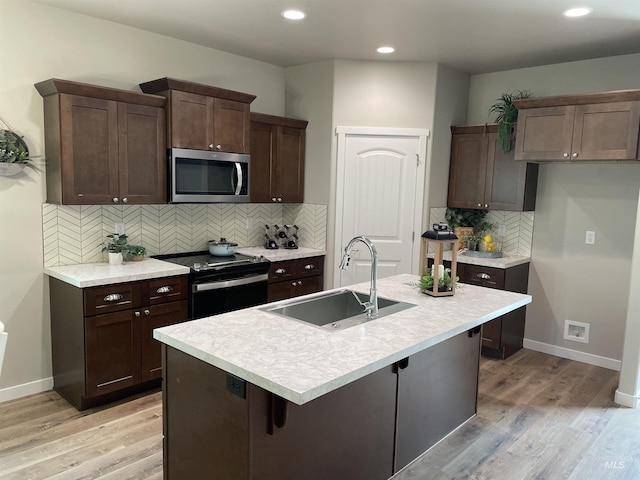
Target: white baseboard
{"type": "Point", "coordinates": [25, 389]}
{"type": "Point", "coordinates": [563, 352]}
{"type": "Point", "coordinates": [626, 400]}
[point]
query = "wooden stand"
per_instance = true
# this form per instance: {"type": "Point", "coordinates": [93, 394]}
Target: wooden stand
{"type": "Point", "coordinates": [438, 246]}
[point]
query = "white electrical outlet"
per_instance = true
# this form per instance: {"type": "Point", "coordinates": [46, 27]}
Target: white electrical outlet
{"type": "Point", "coordinates": [120, 228]}
{"type": "Point", "coordinates": [590, 237]}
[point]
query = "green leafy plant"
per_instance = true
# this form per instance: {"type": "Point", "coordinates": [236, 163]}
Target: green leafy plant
{"type": "Point", "coordinates": [507, 117]}
{"type": "Point", "coordinates": [115, 243]}
{"type": "Point", "coordinates": [13, 149]}
{"type": "Point", "coordinates": [426, 282]}
{"type": "Point", "coordinates": [135, 250]}
{"type": "Point", "coordinates": [467, 217]}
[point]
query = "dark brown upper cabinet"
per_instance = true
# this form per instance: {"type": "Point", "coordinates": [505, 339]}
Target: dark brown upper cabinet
{"type": "Point", "coordinates": [590, 127]}
{"type": "Point", "coordinates": [482, 176]}
{"type": "Point", "coordinates": [202, 117]}
{"type": "Point", "coordinates": [277, 159]}
{"type": "Point", "coordinates": [103, 146]}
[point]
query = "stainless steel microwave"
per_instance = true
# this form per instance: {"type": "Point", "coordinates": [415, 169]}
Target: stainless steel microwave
{"type": "Point", "coordinates": [200, 176]}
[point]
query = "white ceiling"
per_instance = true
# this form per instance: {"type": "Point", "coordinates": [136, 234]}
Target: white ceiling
{"type": "Point", "coordinates": [475, 36]}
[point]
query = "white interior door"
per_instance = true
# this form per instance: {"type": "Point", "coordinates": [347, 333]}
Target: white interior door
{"type": "Point", "coordinates": [382, 185]}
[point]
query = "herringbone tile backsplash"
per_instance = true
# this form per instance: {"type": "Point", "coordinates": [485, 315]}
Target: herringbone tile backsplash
{"type": "Point", "coordinates": [75, 234]}
{"type": "Point", "coordinates": [518, 228]}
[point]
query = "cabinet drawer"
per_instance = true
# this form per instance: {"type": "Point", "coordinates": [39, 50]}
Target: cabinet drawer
{"type": "Point", "coordinates": [282, 270]}
{"type": "Point", "coordinates": [162, 290]}
{"type": "Point", "coordinates": [111, 298]}
{"type": "Point", "coordinates": [484, 276]}
{"type": "Point", "coordinates": [308, 267]}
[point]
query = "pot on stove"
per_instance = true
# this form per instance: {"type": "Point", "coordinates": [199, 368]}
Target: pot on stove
{"type": "Point", "coordinates": [222, 248]}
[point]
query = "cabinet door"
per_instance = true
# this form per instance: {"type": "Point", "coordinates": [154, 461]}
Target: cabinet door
{"type": "Point", "coordinates": [289, 172]}
{"type": "Point", "coordinates": [263, 151]}
{"type": "Point", "coordinates": [544, 133]}
{"type": "Point", "coordinates": [606, 131]}
{"type": "Point", "coordinates": [157, 316]}
{"type": "Point", "coordinates": [510, 185]}
{"type": "Point", "coordinates": [112, 352]}
{"type": "Point", "coordinates": [281, 290]}
{"type": "Point", "coordinates": [232, 129]}
{"type": "Point", "coordinates": [142, 154]}
{"type": "Point", "coordinates": [467, 170]}
{"type": "Point", "coordinates": [89, 145]}
{"type": "Point", "coordinates": [492, 333]}
{"type": "Point", "coordinates": [191, 124]}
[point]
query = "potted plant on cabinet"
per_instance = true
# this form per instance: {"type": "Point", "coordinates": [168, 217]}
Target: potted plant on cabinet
{"type": "Point", "coordinates": [115, 245]}
{"type": "Point", "coordinates": [507, 117]}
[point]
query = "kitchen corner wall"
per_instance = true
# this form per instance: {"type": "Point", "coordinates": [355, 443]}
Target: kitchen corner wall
{"type": "Point", "coordinates": [74, 234]}
{"type": "Point", "coordinates": [518, 235]}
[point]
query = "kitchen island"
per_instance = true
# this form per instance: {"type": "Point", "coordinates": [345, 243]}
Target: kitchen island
{"type": "Point", "coordinates": [254, 395]}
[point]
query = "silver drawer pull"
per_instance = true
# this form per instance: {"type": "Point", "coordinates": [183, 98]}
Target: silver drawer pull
{"type": "Point", "coordinates": [113, 297]}
{"type": "Point", "coordinates": [165, 289]}
{"type": "Point", "coordinates": [280, 271]}
{"type": "Point", "coordinates": [309, 266]}
{"type": "Point", "coordinates": [484, 276]}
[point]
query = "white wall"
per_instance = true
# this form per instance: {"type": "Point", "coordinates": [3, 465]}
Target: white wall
{"type": "Point", "coordinates": [568, 279]}
{"type": "Point", "coordinates": [41, 42]}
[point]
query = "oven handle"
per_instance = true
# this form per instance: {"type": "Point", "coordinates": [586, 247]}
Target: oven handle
{"type": "Point", "coordinates": [201, 287]}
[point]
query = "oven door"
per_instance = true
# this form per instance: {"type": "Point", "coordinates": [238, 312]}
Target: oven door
{"type": "Point", "coordinates": [211, 297]}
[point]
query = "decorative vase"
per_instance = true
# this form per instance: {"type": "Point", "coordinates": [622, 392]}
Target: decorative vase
{"type": "Point", "coordinates": [138, 258]}
{"type": "Point", "coordinates": [115, 258]}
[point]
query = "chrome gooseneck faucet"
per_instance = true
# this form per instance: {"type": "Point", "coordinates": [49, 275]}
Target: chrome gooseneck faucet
{"type": "Point", "coordinates": [370, 307]}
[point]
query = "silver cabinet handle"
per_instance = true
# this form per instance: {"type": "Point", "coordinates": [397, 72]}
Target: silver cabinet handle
{"type": "Point", "coordinates": [309, 266]}
{"type": "Point", "coordinates": [280, 271]}
{"type": "Point", "coordinates": [575, 155]}
{"type": "Point", "coordinates": [293, 284]}
{"type": "Point", "coordinates": [565, 155]}
{"type": "Point", "coordinates": [279, 199]}
{"type": "Point", "coordinates": [211, 146]}
{"type": "Point", "coordinates": [479, 204]}
{"type": "Point", "coordinates": [165, 289]}
{"type": "Point", "coordinates": [137, 314]}
{"type": "Point", "coordinates": [125, 200]}
{"type": "Point", "coordinates": [218, 147]}
{"type": "Point", "coordinates": [486, 205]}
{"type": "Point", "coordinates": [147, 312]}
{"type": "Point", "coordinates": [115, 200]}
{"type": "Point", "coordinates": [113, 297]}
{"type": "Point", "coordinates": [299, 282]}
{"type": "Point", "coordinates": [273, 199]}
{"type": "Point", "coordinates": [484, 276]}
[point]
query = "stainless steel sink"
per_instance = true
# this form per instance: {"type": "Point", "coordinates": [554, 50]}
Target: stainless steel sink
{"type": "Point", "coordinates": [335, 310]}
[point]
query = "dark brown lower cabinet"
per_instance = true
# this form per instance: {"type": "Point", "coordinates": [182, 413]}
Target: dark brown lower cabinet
{"type": "Point", "coordinates": [219, 427]}
{"type": "Point", "coordinates": [102, 337]}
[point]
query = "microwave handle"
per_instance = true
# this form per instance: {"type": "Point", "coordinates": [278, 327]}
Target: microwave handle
{"type": "Point", "coordinates": [240, 179]}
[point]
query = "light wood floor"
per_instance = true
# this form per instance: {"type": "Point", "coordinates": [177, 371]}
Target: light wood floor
{"type": "Point", "coordinates": [539, 417]}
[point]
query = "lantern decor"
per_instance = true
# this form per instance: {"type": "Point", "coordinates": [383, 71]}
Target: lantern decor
{"type": "Point", "coordinates": [438, 282]}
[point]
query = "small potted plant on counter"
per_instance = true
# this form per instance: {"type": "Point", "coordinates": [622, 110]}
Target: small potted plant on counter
{"type": "Point", "coordinates": [115, 246]}
{"type": "Point", "coordinates": [136, 252]}
{"type": "Point", "coordinates": [467, 224]}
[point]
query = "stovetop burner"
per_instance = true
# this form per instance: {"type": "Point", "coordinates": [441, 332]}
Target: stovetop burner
{"type": "Point", "coordinates": [204, 261]}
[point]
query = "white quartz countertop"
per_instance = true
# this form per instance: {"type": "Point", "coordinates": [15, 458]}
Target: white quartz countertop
{"type": "Point", "coordinates": [94, 274]}
{"type": "Point", "coordinates": [301, 362]}
{"type": "Point", "coordinates": [281, 254]}
{"type": "Point", "coordinates": [506, 261]}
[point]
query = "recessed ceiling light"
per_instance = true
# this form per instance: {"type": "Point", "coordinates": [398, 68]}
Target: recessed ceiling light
{"type": "Point", "coordinates": [293, 14]}
{"type": "Point", "coordinates": [386, 50]}
{"type": "Point", "coordinates": [577, 12]}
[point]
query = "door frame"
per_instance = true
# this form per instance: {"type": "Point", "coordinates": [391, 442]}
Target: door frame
{"type": "Point", "coordinates": [422, 135]}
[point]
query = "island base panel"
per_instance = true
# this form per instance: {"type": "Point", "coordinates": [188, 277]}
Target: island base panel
{"type": "Point", "coordinates": [214, 434]}
{"type": "Point", "coordinates": [437, 392]}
